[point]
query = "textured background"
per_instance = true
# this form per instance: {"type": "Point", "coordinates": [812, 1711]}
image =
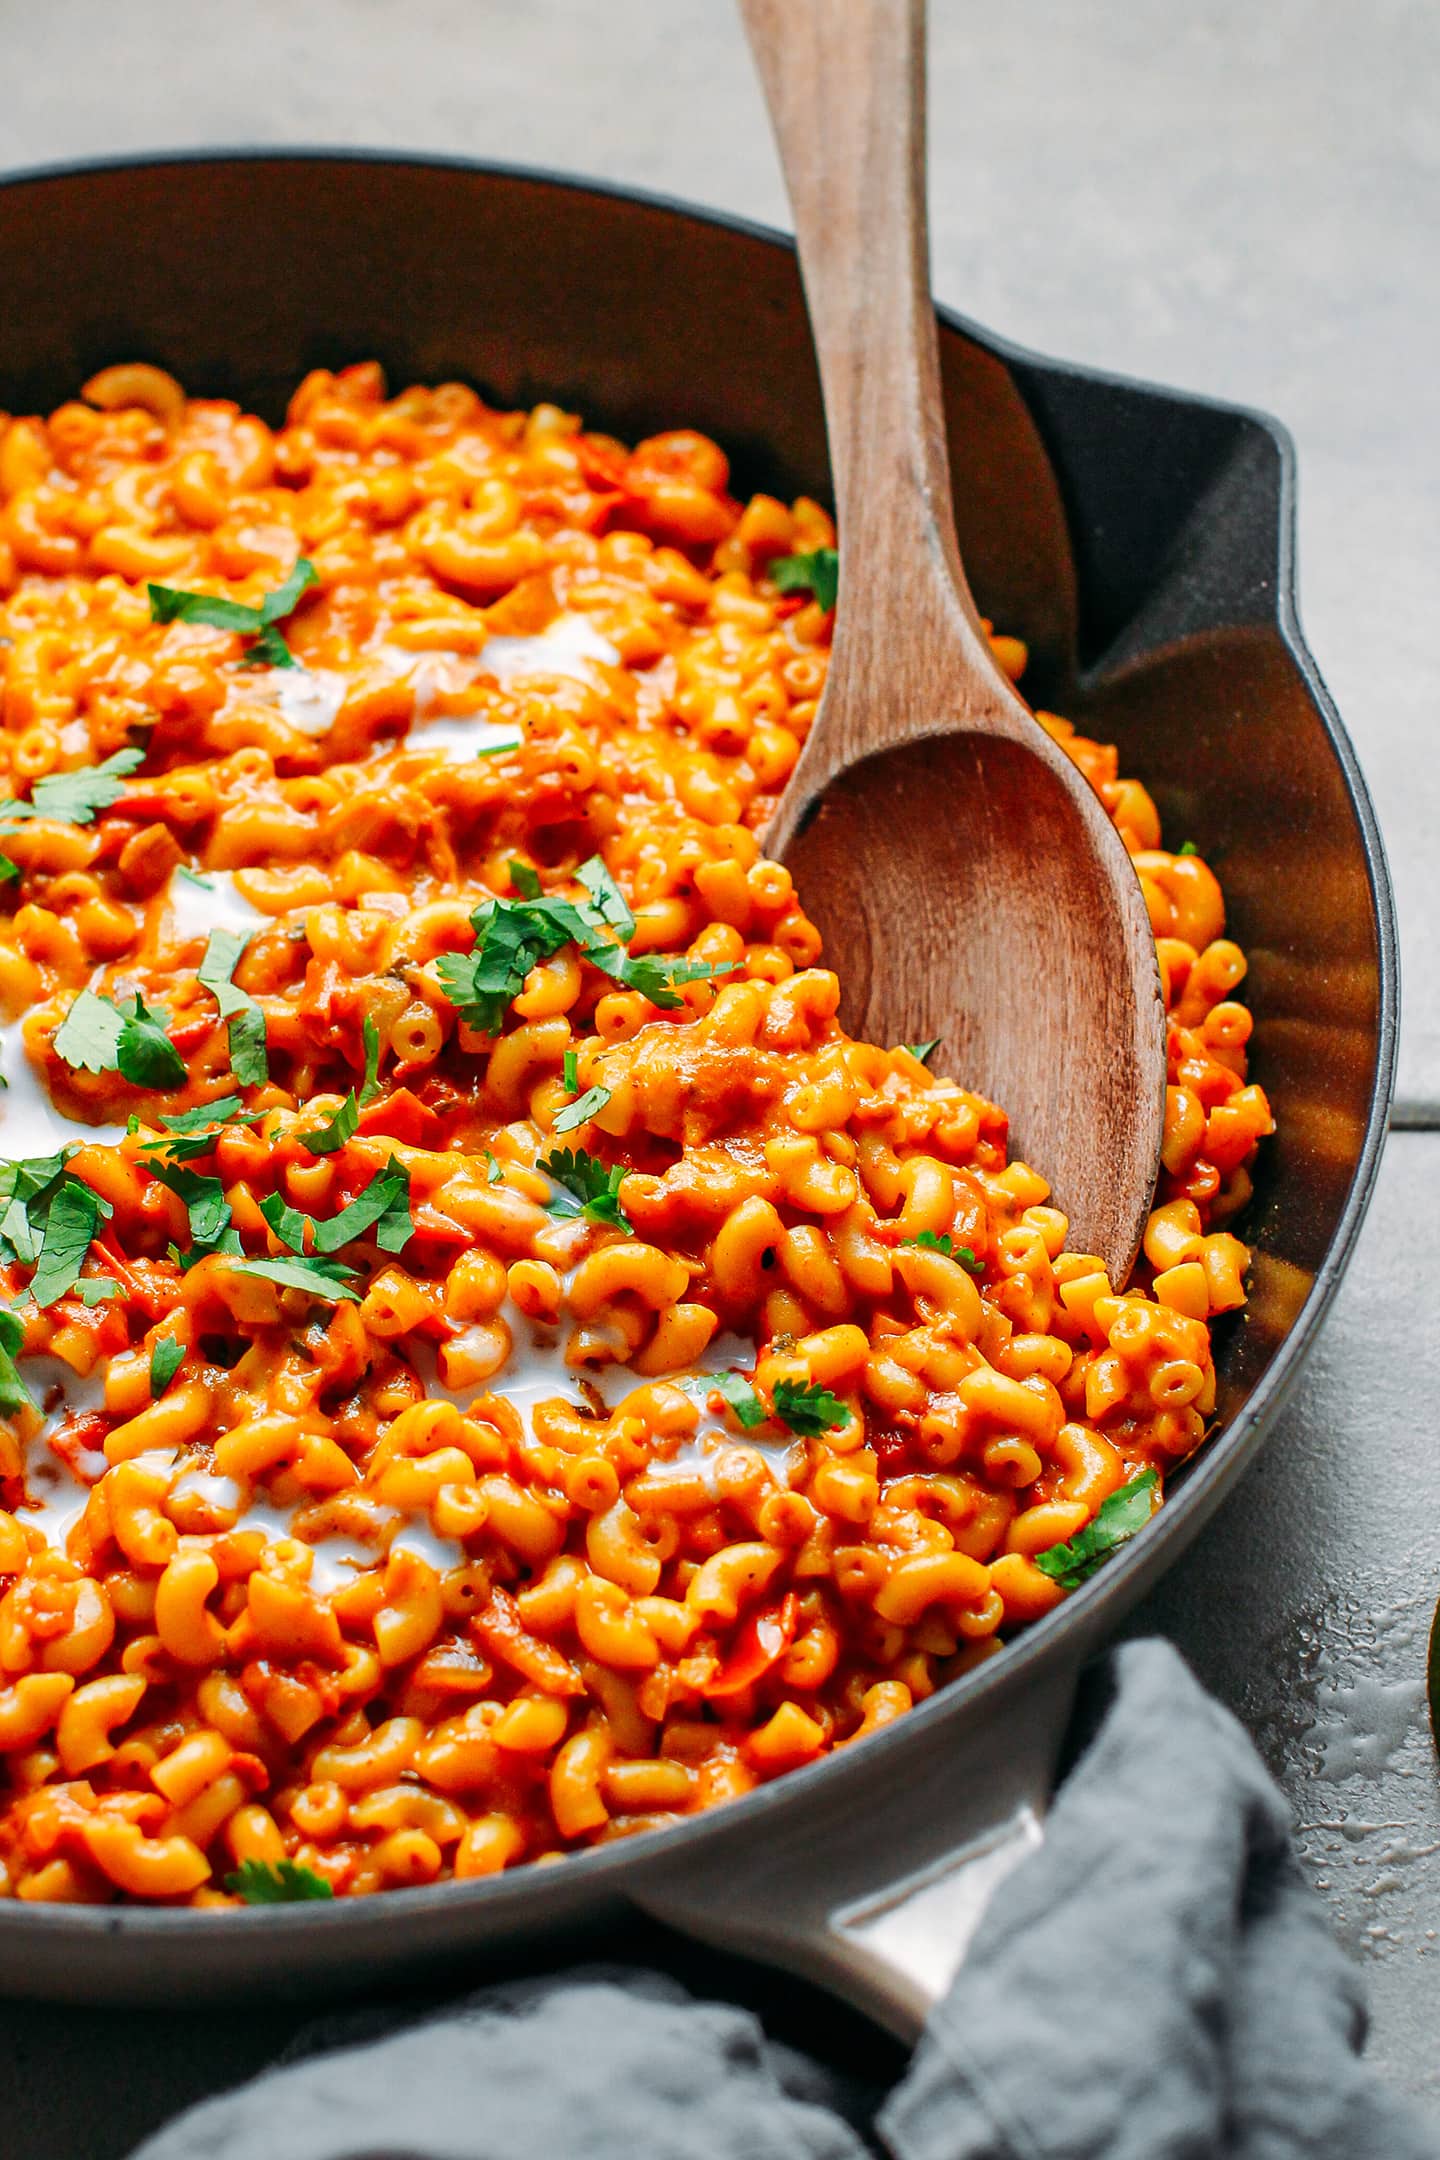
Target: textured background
{"type": "Point", "coordinates": [1239, 200]}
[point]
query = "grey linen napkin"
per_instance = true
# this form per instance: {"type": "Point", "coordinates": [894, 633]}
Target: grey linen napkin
{"type": "Point", "coordinates": [1156, 1983]}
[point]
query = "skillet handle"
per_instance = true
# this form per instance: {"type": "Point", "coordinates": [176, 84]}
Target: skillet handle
{"type": "Point", "coordinates": [874, 1886]}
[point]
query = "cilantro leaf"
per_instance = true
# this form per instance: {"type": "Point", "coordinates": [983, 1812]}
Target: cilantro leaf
{"type": "Point", "coordinates": [586, 1187]}
{"type": "Point", "coordinates": [924, 1050]}
{"type": "Point", "coordinates": [513, 936]}
{"type": "Point", "coordinates": [276, 1882]}
{"type": "Point", "coordinates": [228, 1245]}
{"type": "Point", "coordinates": [95, 1289]}
{"type": "Point", "coordinates": [493, 1173]}
{"type": "Point", "coordinates": [1119, 1519]}
{"type": "Point", "coordinates": [585, 1106]}
{"type": "Point", "coordinates": [97, 1036]}
{"type": "Point", "coordinates": [943, 1242]}
{"type": "Point", "coordinates": [370, 1034]}
{"type": "Point", "coordinates": [816, 571]}
{"type": "Point", "coordinates": [201, 1118]}
{"type": "Point", "coordinates": [570, 1070]}
{"type": "Point", "coordinates": [655, 975]}
{"type": "Point", "coordinates": [222, 955]}
{"type": "Point", "coordinates": [192, 1133]}
{"type": "Point", "coordinates": [166, 1358]}
{"type": "Point", "coordinates": [9, 872]}
{"type": "Point", "coordinates": [609, 902]}
{"type": "Point", "coordinates": [505, 738]}
{"type": "Point", "coordinates": [248, 1059]}
{"type": "Point", "coordinates": [740, 1395]}
{"type": "Point", "coordinates": [525, 880]}
{"type": "Point", "coordinates": [14, 1395]}
{"type": "Point", "coordinates": [327, 1279]}
{"type": "Point", "coordinates": [329, 1138]}
{"type": "Point", "coordinates": [145, 1054]}
{"type": "Point", "coordinates": [1187, 847]}
{"type": "Point", "coordinates": [168, 603]}
{"type": "Point", "coordinates": [88, 1038]}
{"type": "Point", "coordinates": [204, 1197]}
{"type": "Point", "coordinates": [27, 1190]}
{"type": "Point", "coordinates": [383, 1207]}
{"type": "Point", "coordinates": [286, 596]}
{"type": "Point", "coordinates": [75, 797]}
{"type": "Point", "coordinates": [247, 1022]}
{"type": "Point", "coordinates": [74, 1215]}
{"type": "Point", "coordinates": [807, 1408]}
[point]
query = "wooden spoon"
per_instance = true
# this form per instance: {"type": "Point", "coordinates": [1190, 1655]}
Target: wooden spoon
{"type": "Point", "coordinates": [964, 875]}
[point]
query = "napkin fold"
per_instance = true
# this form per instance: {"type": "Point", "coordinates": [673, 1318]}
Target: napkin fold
{"type": "Point", "coordinates": [1156, 1983]}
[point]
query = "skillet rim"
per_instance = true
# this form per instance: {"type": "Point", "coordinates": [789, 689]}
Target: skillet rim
{"type": "Point", "coordinates": [1099, 1605]}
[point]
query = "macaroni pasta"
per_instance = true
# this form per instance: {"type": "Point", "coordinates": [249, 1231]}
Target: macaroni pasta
{"type": "Point", "coordinates": [490, 1365]}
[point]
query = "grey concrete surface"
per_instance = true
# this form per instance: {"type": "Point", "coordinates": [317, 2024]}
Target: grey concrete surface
{"type": "Point", "coordinates": [1241, 200]}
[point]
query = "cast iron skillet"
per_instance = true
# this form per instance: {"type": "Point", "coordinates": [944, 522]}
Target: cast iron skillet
{"type": "Point", "coordinates": [1142, 542]}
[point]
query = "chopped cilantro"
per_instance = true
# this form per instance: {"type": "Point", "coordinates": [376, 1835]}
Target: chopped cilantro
{"type": "Point", "coordinates": [194, 877]}
{"type": "Point", "coordinates": [933, 1241]}
{"type": "Point", "coordinates": [586, 1187]}
{"type": "Point", "coordinates": [88, 1038]}
{"type": "Point", "coordinates": [740, 1395]}
{"type": "Point", "coordinates": [72, 1219]}
{"type": "Point", "coordinates": [14, 1395]}
{"type": "Point", "coordinates": [97, 1036]}
{"type": "Point", "coordinates": [166, 1358]}
{"type": "Point", "coordinates": [807, 1408]}
{"type": "Point", "coordinates": [585, 1106]}
{"type": "Point", "coordinates": [370, 1035]}
{"type": "Point", "coordinates": [328, 1138]}
{"type": "Point", "coordinates": [383, 1207]}
{"type": "Point", "coordinates": [276, 1882]}
{"type": "Point", "coordinates": [169, 604]}
{"type": "Point", "coordinates": [27, 1190]}
{"type": "Point", "coordinates": [609, 902]}
{"type": "Point", "coordinates": [1187, 847]}
{"type": "Point", "coordinates": [942, 1242]}
{"type": "Point", "coordinates": [204, 1197]}
{"type": "Point", "coordinates": [146, 1056]}
{"type": "Point", "coordinates": [493, 1173]}
{"type": "Point", "coordinates": [817, 571]}
{"type": "Point", "coordinates": [513, 936]}
{"type": "Point", "coordinates": [75, 797]}
{"type": "Point", "coordinates": [503, 739]}
{"type": "Point", "coordinates": [9, 871]}
{"type": "Point", "coordinates": [570, 1071]}
{"type": "Point", "coordinates": [328, 1279]}
{"type": "Point", "coordinates": [924, 1050]}
{"type": "Point", "coordinates": [247, 1022]}
{"type": "Point", "coordinates": [192, 1133]}
{"type": "Point", "coordinates": [1119, 1519]}
{"type": "Point", "coordinates": [654, 975]}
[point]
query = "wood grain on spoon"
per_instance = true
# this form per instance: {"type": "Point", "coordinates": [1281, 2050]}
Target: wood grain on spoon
{"type": "Point", "coordinates": [965, 876]}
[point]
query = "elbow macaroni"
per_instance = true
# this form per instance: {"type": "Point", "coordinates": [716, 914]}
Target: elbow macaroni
{"type": "Point", "coordinates": [479, 1567]}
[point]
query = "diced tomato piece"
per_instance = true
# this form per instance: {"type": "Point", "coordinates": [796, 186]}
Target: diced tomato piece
{"type": "Point", "coordinates": [402, 1116]}
{"type": "Point", "coordinates": [760, 1642]}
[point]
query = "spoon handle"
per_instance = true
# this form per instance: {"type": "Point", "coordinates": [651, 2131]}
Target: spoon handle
{"type": "Point", "coordinates": [845, 84]}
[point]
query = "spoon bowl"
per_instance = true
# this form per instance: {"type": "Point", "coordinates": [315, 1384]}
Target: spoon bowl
{"type": "Point", "coordinates": [965, 876]}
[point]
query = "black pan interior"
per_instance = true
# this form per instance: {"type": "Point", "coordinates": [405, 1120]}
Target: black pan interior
{"type": "Point", "coordinates": [1134, 537]}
